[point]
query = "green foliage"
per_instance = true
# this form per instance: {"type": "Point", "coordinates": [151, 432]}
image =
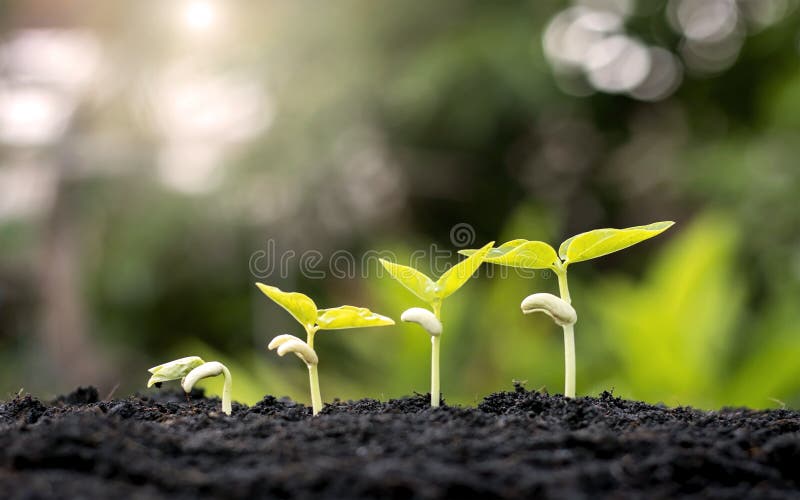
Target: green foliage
{"type": "Point", "coordinates": [341, 317]}
{"type": "Point", "coordinates": [590, 245]}
{"type": "Point", "coordinates": [523, 254]}
{"type": "Point", "coordinates": [416, 282]}
{"type": "Point", "coordinates": [455, 277]}
{"type": "Point", "coordinates": [670, 333]}
{"type": "Point", "coordinates": [424, 287]}
{"type": "Point", "coordinates": [768, 371]}
{"type": "Point", "coordinates": [300, 306]}
{"type": "Point", "coordinates": [600, 242]}
{"type": "Point", "coordinates": [303, 309]}
{"type": "Point", "coordinates": [674, 336]}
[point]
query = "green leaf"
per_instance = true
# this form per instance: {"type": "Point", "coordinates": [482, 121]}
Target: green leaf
{"type": "Point", "coordinates": [494, 251]}
{"type": "Point", "coordinates": [457, 275]}
{"type": "Point", "coordinates": [300, 306]}
{"type": "Point", "coordinates": [601, 242]}
{"type": "Point", "coordinates": [419, 284]}
{"type": "Point", "coordinates": [522, 253]}
{"type": "Point", "coordinates": [337, 318]}
{"type": "Point", "coordinates": [174, 370]}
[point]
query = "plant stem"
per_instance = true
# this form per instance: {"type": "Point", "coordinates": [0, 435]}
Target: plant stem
{"type": "Point", "coordinates": [435, 394]}
{"type": "Point", "coordinates": [569, 339]}
{"type": "Point", "coordinates": [227, 387]}
{"type": "Point", "coordinates": [435, 340]}
{"type": "Point", "coordinates": [313, 374]}
{"type": "Point", "coordinates": [563, 288]}
{"type": "Point", "coordinates": [310, 331]}
{"type": "Point", "coordinates": [569, 361]}
{"type": "Point", "coordinates": [313, 380]}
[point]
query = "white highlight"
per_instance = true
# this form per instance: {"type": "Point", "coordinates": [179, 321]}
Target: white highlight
{"type": "Point", "coordinates": [617, 64]}
{"type": "Point", "coordinates": [666, 75]}
{"type": "Point", "coordinates": [31, 116]}
{"type": "Point", "coordinates": [199, 15]}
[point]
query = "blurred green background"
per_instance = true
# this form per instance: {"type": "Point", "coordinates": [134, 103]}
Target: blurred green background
{"type": "Point", "coordinates": [156, 156]}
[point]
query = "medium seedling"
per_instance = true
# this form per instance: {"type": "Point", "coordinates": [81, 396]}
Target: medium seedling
{"type": "Point", "coordinates": [433, 293]}
{"type": "Point", "coordinates": [305, 311]}
{"type": "Point", "coordinates": [539, 255]}
{"type": "Point", "coordinates": [190, 370]}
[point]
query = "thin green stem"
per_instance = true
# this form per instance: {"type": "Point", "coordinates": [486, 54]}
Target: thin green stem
{"type": "Point", "coordinates": [313, 380]}
{"type": "Point", "coordinates": [569, 339]}
{"type": "Point", "coordinates": [569, 361]}
{"type": "Point", "coordinates": [313, 374]}
{"type": "Point", "coordinates": [435, 340]}
{"type": "Point", "coordinates": [437, 309]}
{"type": "Point", "coordinates": [227, 388]}
{"type": "Point", "coordinates": [563, 287]}
{"type": "Point", "coordinates": [435, 392]}
{"type": "Point", "coordinates": [310, 331]}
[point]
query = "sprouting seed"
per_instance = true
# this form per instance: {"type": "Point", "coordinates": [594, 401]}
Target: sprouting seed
{"type": "Point", "coordinates": [189, 371]}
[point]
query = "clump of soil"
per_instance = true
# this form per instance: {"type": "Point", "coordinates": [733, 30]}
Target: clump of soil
{"type": "Point", "coordinates": [518, 444]}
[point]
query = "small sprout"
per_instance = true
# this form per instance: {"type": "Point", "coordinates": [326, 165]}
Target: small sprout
{"type": "Point", "coordinates": [562, 313]}
{"type": "Point", "coordinates": [305, 311]}
{"type": "Point", "coordinates": [423, 318]}
{"type": "Point", "coordinates": [433, 293]}
{"type": "Point", "coordinates": [189, 370]}
{"type": "Point", "coordinates": [585, 246]}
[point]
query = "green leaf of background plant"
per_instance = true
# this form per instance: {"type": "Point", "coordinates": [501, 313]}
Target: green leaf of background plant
{"type": "Point", "coordinates": [337, 318]}
{"type": "Point", "coordinates": [174, 370]}
{"type": "Point", "coordinates": [415, 281]}
{"type": "Point", "coordinates": [523, 254]}
{"type": "Point", "coordinates": [498, 251]}
{"type": "Point", "coordinates": [601, 242]}
{"type": "Point", "coordinates": [299, 305]}
{"type": "Point", "coordinates": [457, 275]}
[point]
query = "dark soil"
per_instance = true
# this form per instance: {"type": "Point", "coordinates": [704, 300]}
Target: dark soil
{"type": "Point", "coordinates": [514, 445]}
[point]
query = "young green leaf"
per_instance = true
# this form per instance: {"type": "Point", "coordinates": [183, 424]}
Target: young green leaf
{"type": "Point", "coordinates": [416, 282]}
{"type": "Point", "coordinates": [601, 242]}
{"type": "Point", "coordinates": [522, 253]}
{"type": "Point", "coordinates": [456, 276]}
{"type": "Point", "coordinates": [173, 370]}
{"type": "Point", "coordinates": [300, 306]}
{"type": "Point", "coordinates": [497, 251]}
{"type": "Point", "coordinates": [350, 317]}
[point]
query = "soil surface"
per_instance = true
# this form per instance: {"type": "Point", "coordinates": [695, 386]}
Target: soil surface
{"type": "Point", "coordinates": [517, 444]}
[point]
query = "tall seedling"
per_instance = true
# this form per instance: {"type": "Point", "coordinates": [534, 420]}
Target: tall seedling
{"type": "Point", "coordinates": [539, 255]}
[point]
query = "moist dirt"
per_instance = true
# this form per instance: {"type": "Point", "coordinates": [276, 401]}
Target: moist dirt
{"type": "Point", "coordinates": [517, 444]}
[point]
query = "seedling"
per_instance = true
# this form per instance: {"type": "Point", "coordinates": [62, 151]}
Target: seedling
{"type": "Point", "coordinates": [433, 293]}
{"type": "Point", "coordinates": [305, 311]}
{"type": "Point", "coordinates": [190, 370]}
{"type": "Point", "coordinates": [539, 255]}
